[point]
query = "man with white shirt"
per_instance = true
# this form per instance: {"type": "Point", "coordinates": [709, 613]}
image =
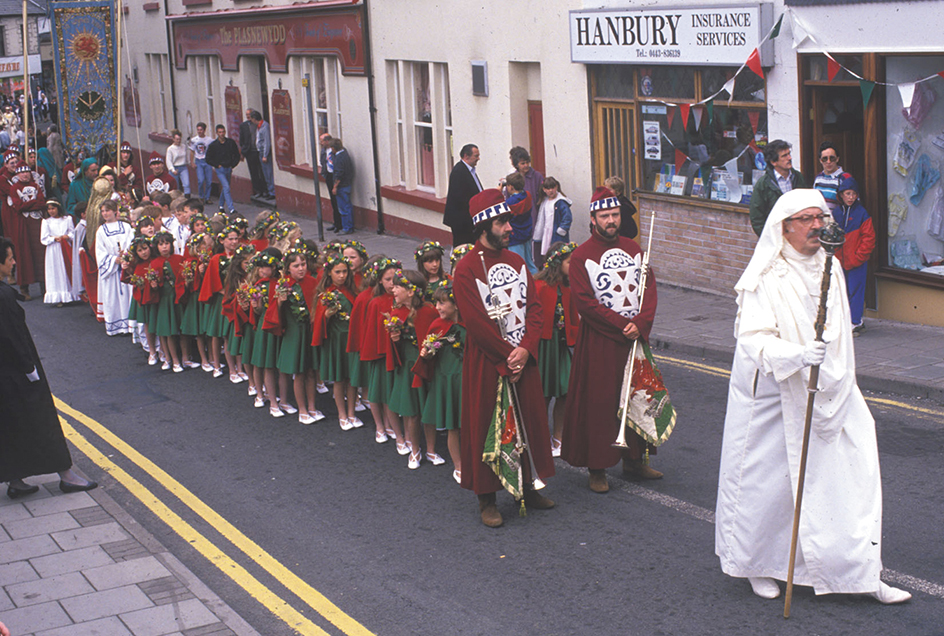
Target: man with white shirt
{"type": "Point", "coordinates": [779, 179]}
{"type": "Point", "coordinates": [198, 146]}
{"type": "Point", "coordinates": [463, 185]}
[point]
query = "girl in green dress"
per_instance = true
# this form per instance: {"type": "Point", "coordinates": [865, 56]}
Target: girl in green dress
{"type": "Point", "coordinates": [440, 366]}
{"type": "Point", "coordinates": [429, 263]}
{"type": "Point", "coordinates": [265, 347]}
{"type": "Point", "coordinates": [134, 268]}
{"type": "Point", "coordinates": [559, 334]}
{"type": "Point", "coordinates": [408, 324]}
{"type": "Point", "coordinates": [236, 308]}
{"type": "Point", "coordinates": [199, 250]}
{"type": "Point", "coordinates": [163, 276]}
{"type": "Point", "coordinates": [335, 296]}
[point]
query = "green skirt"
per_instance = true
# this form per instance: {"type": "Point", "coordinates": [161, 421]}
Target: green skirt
{"type": "Point", "coordinates": [249, 340]}
{"type": "Point", "coordinates": [137, 312]}
{"type": "Point", "coordinates": [234, 344]}
{"type": "Point", "coordinates": [379, 381]}
{"type": "Point", "coordinates": [443, 406]}
{"type": "Point", "coordinates": [217, 325]}
{"type": "Point", "coordinates": [335, 362]}
{"type": "Point", "coordinates": [295, 350]}
{"type": "Point", "coordinates": [406, 401]}
{"type": "Point", "coordinates": [358, 371]}
{"type": "Point", "coordinates": [191, 318]}
{"type": "Point", "coordinates": [554, 360]}
{"type": "Point", "coordinates": [265, 348]}
{"type": "Point", "coordinates": [167, 313]}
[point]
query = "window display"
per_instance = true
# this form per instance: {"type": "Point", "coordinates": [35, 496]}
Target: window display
{"type": "Point", "coordinates": [915, 154]}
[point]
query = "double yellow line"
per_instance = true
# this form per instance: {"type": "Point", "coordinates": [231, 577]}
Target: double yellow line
{"type": "Point", "coordinates": [228, 566]}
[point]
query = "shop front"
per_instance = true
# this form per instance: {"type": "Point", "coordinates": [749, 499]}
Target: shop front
{"type": "Point", "coordinates": [682, 120]}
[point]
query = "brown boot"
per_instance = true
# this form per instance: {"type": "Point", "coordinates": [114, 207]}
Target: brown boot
{"type": "Point", "coordinates": [534, 499]}
{"type": "Point", "coordinates": [598, 481]}
{"type": "Point", "coordinates": [635, 469]}
{"type": "Point", "coordinates": [490, 515]}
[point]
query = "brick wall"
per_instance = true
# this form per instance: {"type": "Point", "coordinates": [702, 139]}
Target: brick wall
{"type": "Point", "coordinates": [696, 247]}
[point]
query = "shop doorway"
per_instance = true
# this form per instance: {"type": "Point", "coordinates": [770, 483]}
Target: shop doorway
{"type": "Point", "coordinates": [257, 89]}
{"type": "Point", "coordinates": [614, 143]}
{"type": "Point", "coordinates": [536, 136]}
{"type": "Point", "coordinates": [837, 116]}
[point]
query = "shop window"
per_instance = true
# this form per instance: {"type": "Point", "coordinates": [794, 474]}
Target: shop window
{"type": "Point", "coordinates": [423, 126]}
{"type": "Point", "coordinates": [915, 228]}
{"type": "Point", "coordinates": [748, 87]}
{"type": "Point", "coordinates": [158, 84]}
{"type": "Point", "coordinates": [325, 100]}
{"type": "Point", "coordinates": [816, 68]}
{"type": "Point", "coordinates": [667, 81]}
{"type": "Point", "coordinates": [206, 74]}
{"type": "Point", "coordinates": [614, 81]}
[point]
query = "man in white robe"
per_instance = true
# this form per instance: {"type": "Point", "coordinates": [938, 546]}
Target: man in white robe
{"type": "Point", "coordinates": [840, 533]}
{"type": "Point", "coordinates": [112, 238]}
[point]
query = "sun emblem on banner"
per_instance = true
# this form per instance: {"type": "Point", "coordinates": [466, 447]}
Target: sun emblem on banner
{"type": "Point", "coordinates": [86, 48]}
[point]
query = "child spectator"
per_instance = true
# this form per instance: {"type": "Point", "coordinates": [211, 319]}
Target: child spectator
{"type": "Point", "coordinates": [854, 253]}
{"type": "Point", "coordinates": [521, 223]}
{"type": "Point", "coordinates": [553, 219]}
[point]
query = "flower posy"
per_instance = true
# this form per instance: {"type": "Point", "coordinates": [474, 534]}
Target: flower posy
{"type": "Point", "coordinates": [392, 323]}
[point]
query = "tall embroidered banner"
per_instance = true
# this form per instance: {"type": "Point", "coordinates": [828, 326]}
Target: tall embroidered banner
{"type": "Point", "coordinates": [84, 54]}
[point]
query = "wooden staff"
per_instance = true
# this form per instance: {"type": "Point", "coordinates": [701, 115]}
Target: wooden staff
{"type": "Point", "coordinates": [27, 97]}
{"type": "Point", "coordinates": [831, 238]}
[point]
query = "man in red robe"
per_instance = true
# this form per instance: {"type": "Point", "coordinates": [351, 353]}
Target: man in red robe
{"type": "Point", "coordinates": [604, 277]}
{"type": "Point", "coordinates": [28, 203]}
{"type": "Point", "coordinates": [160, 180]}
{"type": "Point", "coordinates": [490, 357]}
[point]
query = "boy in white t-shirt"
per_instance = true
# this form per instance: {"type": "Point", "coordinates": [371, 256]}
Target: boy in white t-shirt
{"type": "Point", "coordinates": [198, 146]}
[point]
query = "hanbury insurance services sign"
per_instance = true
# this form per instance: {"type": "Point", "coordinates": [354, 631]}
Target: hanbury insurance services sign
{"type": "Point", "coordinates": [708, 35]}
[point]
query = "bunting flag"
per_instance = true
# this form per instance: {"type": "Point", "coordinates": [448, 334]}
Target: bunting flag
{"type": "Point", "coordinates": [776, 29]}
{"type": "Point", "coordinates": [799, 34]}
{"type": "Point", "coordinates": [710, 105]}
{"type": "Point", "coordinates": [941, 74]}
{"type": "Point", "coordinates": [907, 94]}
{"type": "Point", "coordinates": [753, 63]}
{"type": "Point", "coordinates": [697, 111]}
{"type": "Point", "coordinates": [866, 87]}
{"type": "Point", "coordinates": [754, 117]}
{"type": "Point", "coordinates": [669, 117]}
{"type": "Point", "coordinates": [684, 108]}
{"type": "Point", "coordinates": [729, 87]}
{"type": "Point", "coordinates": [680, 159]}
{"type": "Point", "coordinates": [832, 67]}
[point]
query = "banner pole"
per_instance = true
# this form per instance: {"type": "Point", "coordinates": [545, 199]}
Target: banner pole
{"type": "Point", "coordinates": [26, 86]}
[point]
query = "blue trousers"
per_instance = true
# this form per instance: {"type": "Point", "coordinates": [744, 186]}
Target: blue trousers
{"type": "Point", "coordinates": [204, 178]}
{"type": "Point", "coordinates": [855, 286]}
{"type": "Point", "coordinates": [524, 251]}
{"type": "Point", "coordinates": [183, 178]}
{"type": "Point", "coordinates": [268, 174]}
{"type": "Point", "coordinates": [344, 207]}
{"type": "Point", "coordinates": [226, 199]}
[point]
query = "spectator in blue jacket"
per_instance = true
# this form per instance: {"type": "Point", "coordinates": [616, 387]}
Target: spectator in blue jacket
{"type": "Point", "coordinates": [520, 202]}
{"type": "Point", "coordinates": [343, 181]}
{"type": "Point", "coordinates": [553, 218]}
{"type": "Point", "coordinates": [264, 147]}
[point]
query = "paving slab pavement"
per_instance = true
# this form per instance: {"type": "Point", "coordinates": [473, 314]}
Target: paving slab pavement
{"type": "Point", "coordinates": [79, 565]}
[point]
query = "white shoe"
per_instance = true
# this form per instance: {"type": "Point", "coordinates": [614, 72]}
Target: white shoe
{"type": "Point", "coordinates": [435, 459]}
{"type": "Point", "coordinates": [235, 378]}
{"type": "Point", "coordinates": [165, 366]}
{"type": "Point", "coordinates": [402, 448]}
{"type": "Point", "coordinates": [276, 412]}
{"type": "Point", "coordinates": [555, 447]}
{"type": "Point", "coordinates": [345, 424]}
{"type": "Point", "coordinates": [457, 475]}
{"type": "Point", "coordinates": [360, 406]}
{"type": "Point", "coordinates": [355, 422]}
{"type": "Point", "coordinates": [243, 375]}
{"type": "Point", "coordinates": [178, 368]}
{"type": "Point", "coordinates": [317, 415]}
{"type": "Point", "coordinates": [251, 391]}
{"type": "Point", "coordinates": [305, 418]}
{"type": "Point", "coordinates": [190, 364]}
{"type": "Point", "coordinates": [888, 595]}
{"type": "Point", "coordinates": [207, 367]}
{"type": "Point", "coordinates": [217, 373]}
{"type": "Point", "coordinates": [764, 587]}
{"type": "Point", "coordinates": [259, 403]}
{"type": "Point", "coordinates": [414, 461]}
{"type": "Point", "coordinates": [152, 360]}
{"type": "Point", "coordinates": [380, 438]}
{"type": "Point", "coordinates": [288, 408]}
{"type": "Point", "coordinates": [322, 388]}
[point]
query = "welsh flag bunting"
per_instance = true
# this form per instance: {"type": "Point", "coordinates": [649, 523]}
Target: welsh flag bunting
{"type": "Point", "coordinates": [710, 105]}
{"type": "Point", "coordinates": [684, 108]}
{"type": "Point", "coordinates": [866, 87]}
{"type": "Point", "coordinates": [753, 63]}
{"type": "Point", "coordinates": [669, 117]}
{"type": "Point", "coordinates": [754, 116]}
{"type": "Point", "coordinates": [680, 158]}
{"type": "Point", "coordinates": [697, 111]}
{"type": "Point", "coordinates": [776, 30]}
{"type": "Point", "coordinates": [832, 67]}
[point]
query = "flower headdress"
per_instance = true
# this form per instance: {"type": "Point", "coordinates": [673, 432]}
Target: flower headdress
{"type": "Point", "coordinates": [241, 223]}
{"type": "Point", "coordinates": [197, 239]}
{"type": "Point", "coordinates": [266, 259]}
{"type": "Point", "coordinates": [283, 229]}
{"type": "Point", "coordinates": [142, 222]}
{"type": "Point", "coordinates": [356, 245]}
{"type": "Point", "coordinates": [162, 235]}
{"type": "Point", "coordinates": [308, 248]}
{"type": "Point", "coordinates": [401, 280]}
{"type": "Point", "coordinates": [138, 241]}
{"type": "Point", "coordinates": [557, 256]}
{"type": "Point", "coordinates": [385, 264]}
{"type": "Point", "coordinates": [199, 216]}
{"type": "Point", "coordinates": [226, 230]}
{"type": "Point", "coordinates": [334, 260]}
{"type": "Point", "coordinates": [292, 253]}
{"type": "Point", "coordinates": [427, 247]}
{"type": "Point", "coordinates": [268, 219]}
{"type": "Point", "coordinates": [458, 252]}
{"type": "Point", "coordinates": [245, 250]}
{"type": "Point", "coordinates": [334, 246]}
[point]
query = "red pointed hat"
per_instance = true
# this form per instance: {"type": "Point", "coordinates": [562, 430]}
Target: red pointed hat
{"type": "Point", "coordinates": [125, 147]}
{"type": "Point", "coordinates": [155, 158]}
{"type": "Point", "coordinates": [603, 199]}
{"type": "Point", "coordinates": [486, 205]}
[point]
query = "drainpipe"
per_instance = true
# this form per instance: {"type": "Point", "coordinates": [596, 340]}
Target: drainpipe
{"type": "Point", "coordinates": [372, 109]}
{"type": "Point", "coordinates": [170, 63]}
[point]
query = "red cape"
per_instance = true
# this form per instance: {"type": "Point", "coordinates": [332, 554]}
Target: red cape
{"type": "Point", "coordinates": [275, 317]}
{"type": "Point", "coordinates": [358, 319]}
{"type": "Point", "coordinates": [319, 321]}
{"type": "Point", "coordinates": [375, 338]}
{"type": "Point", "coordinates": [212, 281]}
{"type": "Point", "coordinates": [548, 297]}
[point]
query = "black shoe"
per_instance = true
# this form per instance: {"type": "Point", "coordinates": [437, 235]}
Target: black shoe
{"type": "Point", "coordinates": [345, 232]}
{"type": "Point", "coordinates": [332, 228]}
{"type": "Point", "coordinates": [16, 493]}
{"type": "Point", "coordinates": [67, 488]}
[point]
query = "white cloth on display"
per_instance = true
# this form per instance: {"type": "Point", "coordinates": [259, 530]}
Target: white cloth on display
{"type": "Point", "coordinates": [113, 295]}
{"type": "Point", "coordinates": [840, 533]}
{"type": "Point", "coordinates": [58, 284]}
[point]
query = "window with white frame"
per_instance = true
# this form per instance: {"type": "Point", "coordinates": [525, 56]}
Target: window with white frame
{"type": "Point", "coordinates": [211, 72]}
{"type": "Point", "coordinates": [325, 98]}
{"type": "Point", "coordinates": [159, 82]}
{"type": "Point", "coordinates": [421, 124]}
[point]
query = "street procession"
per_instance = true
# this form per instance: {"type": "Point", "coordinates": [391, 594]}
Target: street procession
{"type": "Point", "coordinates": [523, 347]}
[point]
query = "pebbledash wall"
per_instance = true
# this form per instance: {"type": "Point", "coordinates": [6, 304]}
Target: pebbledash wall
{"type": "Point", "coordinates": [531, 89]}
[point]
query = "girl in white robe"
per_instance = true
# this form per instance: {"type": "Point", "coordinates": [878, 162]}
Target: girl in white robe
{"type": "Point", "coordinates": [112, 238]}
{"type": "Point", "coordinates": [56, 230]}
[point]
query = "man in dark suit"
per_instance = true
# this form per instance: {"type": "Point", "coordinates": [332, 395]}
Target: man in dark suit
{"type": "Point", "coordinates": [326, 169]}
{"type": "Point", "coordinates": [247, 146]}
{"type": "Point", "coordinates": [463, 185]}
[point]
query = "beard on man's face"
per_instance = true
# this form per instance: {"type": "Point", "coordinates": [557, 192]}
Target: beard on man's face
{"type": "Point", "coordinates": [498, 241]}
{"type": "Point", "coordinates": [607, 231]}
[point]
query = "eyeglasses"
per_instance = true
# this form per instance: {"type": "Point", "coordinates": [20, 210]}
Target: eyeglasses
{"type": "Point", "coordinates": [808, 219]}
{"type": "Point", "coordinates": [828, 159]}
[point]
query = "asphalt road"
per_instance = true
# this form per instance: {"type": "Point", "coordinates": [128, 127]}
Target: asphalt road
{"type": "Point", "coordinates": [403, 552]}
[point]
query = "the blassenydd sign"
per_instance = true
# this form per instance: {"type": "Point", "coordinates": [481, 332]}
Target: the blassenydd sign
{"type": "Point", "coordinates": [705, 35]}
